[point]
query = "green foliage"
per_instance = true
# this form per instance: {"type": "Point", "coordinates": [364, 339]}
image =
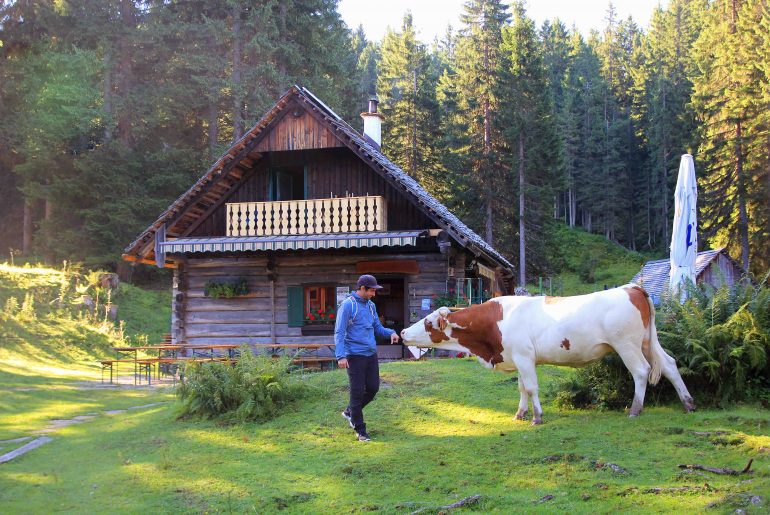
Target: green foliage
{"type": "Point", "coordinates": [67, 308]}
{"type": "Point", "coordinates": [226, 289]}
{"type": "Point", "coordinates": [256, 388]}
{"type": "Point", "coordinates": [720, 339]}
{"type": "Point", "coordinates": [587, 262]}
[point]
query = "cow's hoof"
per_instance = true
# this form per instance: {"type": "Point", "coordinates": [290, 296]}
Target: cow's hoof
{"type": "Point", "coordinates": [520, 415]}
{"type": "Point", "coordinates": [689, 406]}
{"type": "Point", "coordinates": [537, 422]}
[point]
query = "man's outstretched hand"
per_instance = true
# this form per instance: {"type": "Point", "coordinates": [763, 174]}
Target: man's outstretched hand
{"type": "Point", "coordinates": [394, 338]}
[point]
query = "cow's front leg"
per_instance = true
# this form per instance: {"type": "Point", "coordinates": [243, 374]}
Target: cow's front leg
{"type": "Point", "coordinates": [528, 380]}
{"type": "Point", "coordinates": [523, 400]}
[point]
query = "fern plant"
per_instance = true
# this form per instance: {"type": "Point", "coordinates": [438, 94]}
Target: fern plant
{"type": "Point", "coordinates": [256, 388]}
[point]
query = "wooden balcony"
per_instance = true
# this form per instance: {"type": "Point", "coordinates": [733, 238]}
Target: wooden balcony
{"type": "Point", "coordinates": [316, 216]}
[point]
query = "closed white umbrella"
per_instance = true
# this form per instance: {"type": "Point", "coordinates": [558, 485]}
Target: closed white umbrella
{"type": "Point", "coordinates": [684, 238]}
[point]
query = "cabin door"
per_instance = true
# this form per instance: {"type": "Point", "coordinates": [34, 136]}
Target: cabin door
{"type": "Point", "coordinates": [391, 308]}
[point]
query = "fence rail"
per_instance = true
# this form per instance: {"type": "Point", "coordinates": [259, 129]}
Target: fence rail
{"type": "Point", "coordinates": [316, 216]}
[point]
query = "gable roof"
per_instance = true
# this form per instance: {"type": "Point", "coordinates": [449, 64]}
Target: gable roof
{"type": "Point", "coordinates": [654, 275]}
{"type": "Point", "coordinates": [204, 196]}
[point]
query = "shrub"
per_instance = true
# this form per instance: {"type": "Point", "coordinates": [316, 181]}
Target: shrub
{"type": "Point", "coordinates": [226, 288]}
{"type": "Point", "coordinates": [720, 339]}
{"type": "Point", "coordinates": [254, 389]}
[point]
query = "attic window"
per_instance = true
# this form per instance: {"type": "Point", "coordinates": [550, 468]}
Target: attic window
{"type": "Point", "coordinates": [288, 183]}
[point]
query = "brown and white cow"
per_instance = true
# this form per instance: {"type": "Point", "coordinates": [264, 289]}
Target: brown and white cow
{"type": "Point", "coordinates": [518, 333]}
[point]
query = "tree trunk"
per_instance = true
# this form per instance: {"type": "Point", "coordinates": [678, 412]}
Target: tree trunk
{"type": "Point", "coordinates": [236, 77]}
{"type": "Point", "coordinates": [26, 238]}
{"type": "Point", "coordinates": [414, 124]}
{"type": "Point", "coordinates": [213, 128]}
{"type": "Point", "coordinates": [487, 152]}
{"type": "Point", "coordinates": [522, 234]}
{"type": "Point", "coordinates": [107, 94]}
{"type": "Point", "coordinates": [743, 218]}
{"type": "Point", "coordinates": [664, 193]}
{"type": "Point", "coordinates": [126, 73]}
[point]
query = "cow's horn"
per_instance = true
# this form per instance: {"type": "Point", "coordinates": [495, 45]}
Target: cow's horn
{"type": "Point", "coordinates": [444, 311]}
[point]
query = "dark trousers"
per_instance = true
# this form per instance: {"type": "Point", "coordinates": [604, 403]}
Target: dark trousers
{"type": "Point", "coordinates": [364, 377]}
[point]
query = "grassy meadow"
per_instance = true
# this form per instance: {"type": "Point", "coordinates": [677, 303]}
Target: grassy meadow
{"type": "Point", "coordinates": [443, 430]}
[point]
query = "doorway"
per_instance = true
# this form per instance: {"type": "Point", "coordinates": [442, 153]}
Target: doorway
{"type": "Point", "coordinates": [391, 308]}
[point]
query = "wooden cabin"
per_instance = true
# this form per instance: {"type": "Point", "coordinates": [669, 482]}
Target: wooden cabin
{"type": "Point", "coordinates": [714, 267]}
{"type": "Point", "coordinates": [287, 220]}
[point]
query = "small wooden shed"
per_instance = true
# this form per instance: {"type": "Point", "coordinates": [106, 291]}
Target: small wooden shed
{"type": "Point", "coordinates": [290, 216]}
{"type": "Point", "coordinates": [714, 267]}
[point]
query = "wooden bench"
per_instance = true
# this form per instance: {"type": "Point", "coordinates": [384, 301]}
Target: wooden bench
{"type": "Point", "coordinates": [302, 361]}
{"type": "Point", "coordinates": [139, 367]}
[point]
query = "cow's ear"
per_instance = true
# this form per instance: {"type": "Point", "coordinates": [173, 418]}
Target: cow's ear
{"type": "Point", "coordinates": [444, 311]}
{"type": "Point", "coordinates": [442, 323]}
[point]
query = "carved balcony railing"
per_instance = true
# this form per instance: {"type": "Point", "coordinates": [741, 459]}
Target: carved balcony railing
{"type": "Point", "coordinates": [316, 216]}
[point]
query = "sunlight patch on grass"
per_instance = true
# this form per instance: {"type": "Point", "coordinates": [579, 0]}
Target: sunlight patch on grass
{"type": "Point", "coordinates": [25, 367]}
{"type": "Point", "coordinates": [30, 478]}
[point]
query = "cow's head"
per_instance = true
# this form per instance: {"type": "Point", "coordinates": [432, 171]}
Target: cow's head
{"type": "Point", "coordinates": [432, 331]}
{"type": "Point", "coordinates": [474, 329]}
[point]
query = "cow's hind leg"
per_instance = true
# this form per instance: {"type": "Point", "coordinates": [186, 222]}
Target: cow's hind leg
{"type": "Point", "coordinates": [637, 364]}
{"type": "Point", "coordinates": [528, 381]}
{"type": "Point", "coordinates": [671, 372]}
{"type": "Point", "coordinates": [523, 400]}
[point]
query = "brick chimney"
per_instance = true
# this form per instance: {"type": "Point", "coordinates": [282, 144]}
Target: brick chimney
{"type": "Point", "coordinates": [373, 124]}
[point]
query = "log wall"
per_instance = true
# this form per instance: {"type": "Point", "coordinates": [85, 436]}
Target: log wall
{"type": "Point", "coordinates": [247, 320]}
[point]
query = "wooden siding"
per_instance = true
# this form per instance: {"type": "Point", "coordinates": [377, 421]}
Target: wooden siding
{"type": "Point", "coordinates": [330, 173]}
{"type": "Point", "coordinates": [298, 130]}
{"type": "Point", "coordinates": [248, 319]}
{"type": "Point", "coordinates": [721, 271]}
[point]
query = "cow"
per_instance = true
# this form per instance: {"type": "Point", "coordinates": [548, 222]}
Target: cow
{"type": "Point", "coordinates": [518, 333]}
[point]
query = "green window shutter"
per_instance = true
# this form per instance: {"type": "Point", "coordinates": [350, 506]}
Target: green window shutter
{"type": "Point", "coordinates": [295, 308]}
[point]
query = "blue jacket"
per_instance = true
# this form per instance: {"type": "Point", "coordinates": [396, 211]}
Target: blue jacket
{"type": "Point", "coordinates": [356, 328]}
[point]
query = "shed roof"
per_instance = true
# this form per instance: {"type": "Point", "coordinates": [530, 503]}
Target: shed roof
{"type": "Point", "coordinates": [654, 275]}
{"type": "Point", "coordinates": [142, 247]}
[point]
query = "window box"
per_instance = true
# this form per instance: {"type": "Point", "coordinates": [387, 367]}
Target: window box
{"type": "Point", "coordinates": [317, 329]}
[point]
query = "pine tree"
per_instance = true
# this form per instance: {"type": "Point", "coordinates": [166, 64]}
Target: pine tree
{"type": "Point", "coordinates": [477, 66]}
{"type": "Point", "coordinates": [728, 141]}
{"type": "Point", "coordinates": [529, 128]}
{"type": "Point", "coordinates": [662, 106]}
{"type": "Point", "coordinates": [407, 99]}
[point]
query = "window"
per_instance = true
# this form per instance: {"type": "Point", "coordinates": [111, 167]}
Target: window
{"type": "Point", "coordinates": [319, 298]}
{"type": "Point", "coordinates": [311, 299]}
{"type": "Point", "coordinates": [288, 183]}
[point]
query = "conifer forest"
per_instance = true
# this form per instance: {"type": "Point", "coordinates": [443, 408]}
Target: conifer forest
{"type": "Point", "coordinates": [109, 110]}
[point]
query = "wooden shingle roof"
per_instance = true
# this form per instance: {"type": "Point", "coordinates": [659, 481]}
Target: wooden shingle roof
{"type": "Point", "coordinates": [224, 174]}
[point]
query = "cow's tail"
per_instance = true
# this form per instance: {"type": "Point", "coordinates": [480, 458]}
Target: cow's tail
{"type": "Point", "coordinates": [656, 353]}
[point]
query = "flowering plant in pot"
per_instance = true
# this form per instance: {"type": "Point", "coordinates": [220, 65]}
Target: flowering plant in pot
{"type": "Point", "coordinates": [321, 316]}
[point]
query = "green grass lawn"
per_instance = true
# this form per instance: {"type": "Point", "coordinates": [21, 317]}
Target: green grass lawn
{"type": "Point", "coordinates": [442, 430]}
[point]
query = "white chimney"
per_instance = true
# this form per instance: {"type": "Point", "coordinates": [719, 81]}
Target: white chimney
{"type": "Point", "coordinates": [373, 124]}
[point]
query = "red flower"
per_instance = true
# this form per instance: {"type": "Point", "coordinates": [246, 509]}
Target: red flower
{"type": "Point", "coordinates": [312, 317]}
{"type": "Point", "coordinates": [331, 316]}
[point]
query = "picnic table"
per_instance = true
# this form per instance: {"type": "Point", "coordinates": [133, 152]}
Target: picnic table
{"type": "Point", "coordinates": [171, 354]}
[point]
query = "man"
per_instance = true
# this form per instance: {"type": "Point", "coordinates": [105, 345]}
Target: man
{"type": "Point", "coordinates": [356, 349]}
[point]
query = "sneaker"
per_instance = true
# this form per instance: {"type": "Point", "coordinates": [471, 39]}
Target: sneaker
{"type": "Point", "coordinates": [364, 437]}
{"type": "Point", "coordinates": [346, 415]}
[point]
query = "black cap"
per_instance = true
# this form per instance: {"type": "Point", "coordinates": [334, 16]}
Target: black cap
{"type": "Point", "coordinates": [368, 281]}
